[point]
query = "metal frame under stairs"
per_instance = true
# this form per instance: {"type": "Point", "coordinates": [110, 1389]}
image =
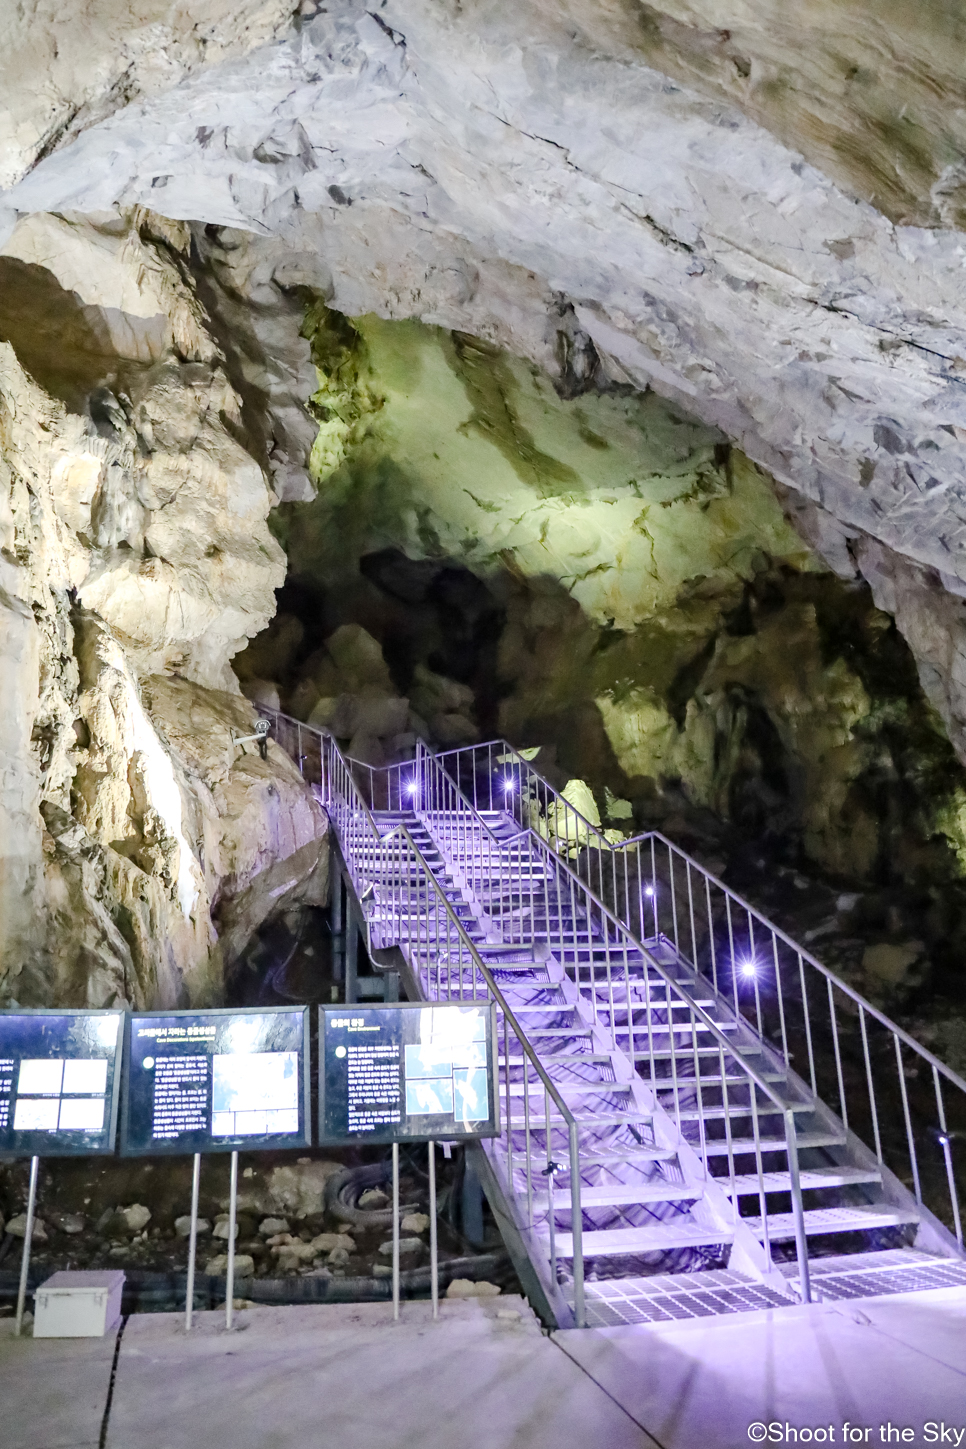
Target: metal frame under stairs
{"type": "Point", "coordinates": [654, 1129]}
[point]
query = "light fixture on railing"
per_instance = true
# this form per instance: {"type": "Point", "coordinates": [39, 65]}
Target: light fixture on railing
{"type": "Point", "coordinates": [509, 784]}
{"type": "Point", "coordinates": [748, 968]}
{"type": "Point", "coordinates": [649, 890]}
{"type": "Point", "coordinates": [412, 787]}
{"type": "Point", "coordinates": [942, 1136]}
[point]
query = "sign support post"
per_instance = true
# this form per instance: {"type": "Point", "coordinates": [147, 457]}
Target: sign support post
{"type": "Point", "coordinates": [189, 1301]}
{"type": "Point", "coordinates": [395, 1231]}
{"type": "Point", "coordinates": [408, 1072]}
{"type": "Point", "coordinates": [230, 1277]}
{"type": "Point", "coordinates": [27, 1240]}
{"type": "Point", "coordinates": [433, 1256]}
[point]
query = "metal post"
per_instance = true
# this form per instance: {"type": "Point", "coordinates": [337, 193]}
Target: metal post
{"type": "Point", "coordinates": [338, 932]}
{"type": "Point", "coordinates": [395, 1231]}
{"type": "Point", "coordinates": [189, 1299]}
{"type": "Point", "coordinates": [27, 1239]}
{"type": "Point", "coordinates": [351, 954]}
{"type": "Point", "coordinates": [230, 1279]}
{"type": "Point", "coordinates": [433, 1256]}
{"type": "Point", "coordinates": [798, 1213]}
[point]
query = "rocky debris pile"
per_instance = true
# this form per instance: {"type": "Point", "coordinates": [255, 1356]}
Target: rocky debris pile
{"type": "Point", "coordinates": [288, 1227]}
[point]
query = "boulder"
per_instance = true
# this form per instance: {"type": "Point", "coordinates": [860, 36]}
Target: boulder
{"type": "Point", "coordinates": [269, 1227]}
{"type": "Point", "coordinates": [70, 1223]}
{"type": "Point", "coordinates": [17, 1228]}
{"type": "Point", "coordinates": [137, 1217]}
{"type": "Point", "coordinates": [358, 658]}
{"type": "Point", "coordinates": [292, 1190]}
{"type": "Point", "coordinates": [333, 1242]}
{"type": "Point", "coordinates": [406, 1246]}
{"type": "Point", "coordinates": [415, 1223]}
{"type": "Point", "coordinates": [217, 1267]}
{"type": "Point", "coordinates": [465, 1288]}
{"type": "Point", "coordinates": [182, 1226]}
{"type": "Point", "coordinates": [888, 966]}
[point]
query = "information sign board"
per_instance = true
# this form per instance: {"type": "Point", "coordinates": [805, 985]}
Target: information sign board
{"type": "Point", "coordinates": [216, 1081]}
{"type": "Point", "coordinates": [59, 1081]}
{"type": "Point", "coordinates": [407, 1072]}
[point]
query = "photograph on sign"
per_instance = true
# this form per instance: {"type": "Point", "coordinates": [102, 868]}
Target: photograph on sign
{"type": "Point", "coordinates": [214, 1081]}
{"type": "Point", "coordinates": [409, 1071]}
{"type": "Point", "coordinates": [59, 1082]}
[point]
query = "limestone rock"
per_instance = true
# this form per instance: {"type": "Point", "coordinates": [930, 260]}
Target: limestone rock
{"type": "Point", "coordinates": [269, 1227]}
{"type": "Point", "coordinates": [244, 1265]}
{"type": "Point", "coordinates": [142, 546]}
{"type": "Point", "coordinates": [415, 1223]}
{"type": "Point", "coordinates": [292, 1190]}
{"type": "Point", "coordinates": [182, 1226]}
{"type": "Point", "coordinates": [17, 1228]}
{"type": "Point", "coordinates": [70, 1223]}
{"type": "Point", "coordinates": [886, 965]}
{"type": "Point", "coordinates": [407, 1247]}
{"type": "Point", "coordinates": [660, 195]}
{"type": "Point", "coordinates": [333, 1242]}
{"type": "Point", "coordinates": [137, 1216]}
{"type": "Point", "coordinates": [466, 1288]}
{"type": "Point", "coordinates": [221, 1228]}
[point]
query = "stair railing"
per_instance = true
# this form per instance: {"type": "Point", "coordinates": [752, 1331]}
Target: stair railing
{"type": "Point", "coordinates": [671, 1011]}
{"type": "Point", "coordinates": [889, 1089]}
{"type": "Point", "coordinates": [419, 924]}
{"type": "Point", "coordinates": [404, 905]}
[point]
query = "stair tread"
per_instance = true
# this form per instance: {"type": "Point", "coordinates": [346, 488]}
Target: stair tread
{"type": "Point", "coordinates": [621, 1195]}
{"type": "Point", "coordinates": [781, 1226]}
{"type": "Point", "coordinates": [615, 1242]}
{"type": "Point", "coordinates": [740, 1145]}
{"type": "Point", "coordinates": [746, 1184]}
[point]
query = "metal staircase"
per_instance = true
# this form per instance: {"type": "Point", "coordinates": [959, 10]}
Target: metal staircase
{"type": "Point", "coordinates": [660, 1154]}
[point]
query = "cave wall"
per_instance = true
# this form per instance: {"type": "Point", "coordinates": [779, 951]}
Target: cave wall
{"type": "Point", "coordinates": [140, 846]}
{"type": "Point", "coordinates": [608, 578]}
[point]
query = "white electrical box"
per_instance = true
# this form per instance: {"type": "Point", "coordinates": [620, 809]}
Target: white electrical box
{"type": "Point", "coordinates": [78, 1305]}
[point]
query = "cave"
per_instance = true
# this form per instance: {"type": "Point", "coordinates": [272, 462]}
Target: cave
{"type": "Point", "coordinates": [481, 514]}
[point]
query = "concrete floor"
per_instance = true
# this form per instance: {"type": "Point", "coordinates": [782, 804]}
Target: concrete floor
{"type": "Point", "coordinates": [301, 1377]}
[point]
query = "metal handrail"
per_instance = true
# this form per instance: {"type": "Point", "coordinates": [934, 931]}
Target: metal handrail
{"type": "Point", "coordinates": [581, 833]}
{"type": "Point", "coordinates": [557, 855]}
{"type": "Point", "coordinates": [359, 805]}
{"type": "Point", "coordinates": [724, 1045]}
{"type": "Point", "coordinates": [618, 847]}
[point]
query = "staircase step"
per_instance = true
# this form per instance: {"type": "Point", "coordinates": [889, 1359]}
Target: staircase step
{"type": "Point", "coordinates": [781, 1226]}
{"type": "Point", "coordinates": [742, 1145]}
{"type": "Point", "coordinates": [622, 1195]}
{"type": "Point", "coordinates": [560, 1032]}
{"type": "Point", "coordinates": [616, 1242]}
{"type": "Point", "coordinates": [602, 1119]}
{"type": "Point", "coordinates": [566, 1089]}
{"type": "Point", "coordinates": [812, 1179]}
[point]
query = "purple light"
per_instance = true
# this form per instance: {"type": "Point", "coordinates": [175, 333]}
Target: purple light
{"type": "Point", "coordinates": [411, 787]}
{"type": "Point", "coordinates": [748, 968]}
{"type": "Point", "coordinates": [509, 784]}
{"type": "Point", "coordinates": [648, 890]}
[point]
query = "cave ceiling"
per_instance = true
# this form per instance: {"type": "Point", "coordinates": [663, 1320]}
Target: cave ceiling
{"type": "Point", "coordinates": [759, 247]}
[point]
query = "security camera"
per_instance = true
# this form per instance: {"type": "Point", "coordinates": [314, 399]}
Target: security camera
{"type": "Point", "coordinates": [262, 726]}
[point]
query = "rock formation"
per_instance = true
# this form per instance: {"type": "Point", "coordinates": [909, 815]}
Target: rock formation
{"type": "Point", "coordinates": [658, 354]}
{"type": "Point", "coordinates": [140, 843]}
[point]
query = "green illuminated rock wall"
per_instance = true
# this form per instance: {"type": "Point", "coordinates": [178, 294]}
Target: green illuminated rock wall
{"type": "Point", "coordinates": [652, 615]}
